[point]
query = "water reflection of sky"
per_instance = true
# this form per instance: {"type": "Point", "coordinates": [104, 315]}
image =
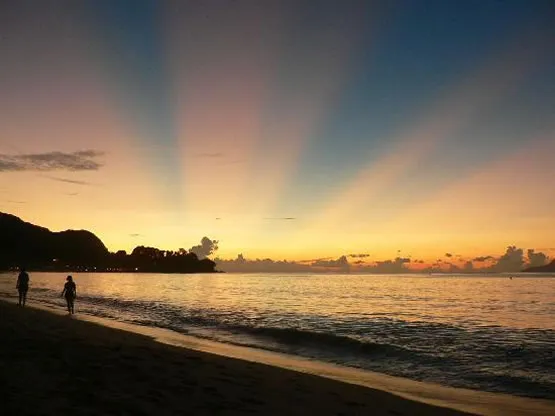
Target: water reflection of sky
{"type": "Point", "coordinates": [461, 301]}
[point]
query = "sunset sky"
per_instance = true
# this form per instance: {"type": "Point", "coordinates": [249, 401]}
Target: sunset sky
{"type": "Point", "coordinates": [284, 129]}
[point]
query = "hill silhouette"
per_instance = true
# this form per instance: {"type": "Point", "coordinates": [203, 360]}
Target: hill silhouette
{"type": "Point", "coordinates": [38, 248]}
{"type": "Point", "coordinates": [548, 268]}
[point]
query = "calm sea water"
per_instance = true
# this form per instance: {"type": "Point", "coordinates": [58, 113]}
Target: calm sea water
{"type": "Point", "coordinates": [489, 333]}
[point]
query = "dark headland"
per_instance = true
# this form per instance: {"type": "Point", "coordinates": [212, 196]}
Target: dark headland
{"type": "Point", "coordinates": [39, 249]}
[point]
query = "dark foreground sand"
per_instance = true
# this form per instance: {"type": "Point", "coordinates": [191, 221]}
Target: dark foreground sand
{"type": "Point", "coordinates": [52, 364]}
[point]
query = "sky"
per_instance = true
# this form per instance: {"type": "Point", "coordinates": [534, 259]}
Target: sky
{"type": "Point", "coordinates": [287, 130]}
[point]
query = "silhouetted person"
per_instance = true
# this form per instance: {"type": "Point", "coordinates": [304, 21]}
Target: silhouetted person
{"type": "Point", "coordinates": [70, 293]}
{"type": "Point", "coordinates": [22, 286]}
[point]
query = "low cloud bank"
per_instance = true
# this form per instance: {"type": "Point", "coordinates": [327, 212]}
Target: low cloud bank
{"type": "Point", "coordinates": [513, 260]}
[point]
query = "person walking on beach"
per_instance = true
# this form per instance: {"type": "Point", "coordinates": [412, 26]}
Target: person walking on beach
{"type": "Point", "coordinates": [22, 286]}
{"type": "Point", "coordinates": [70, 293]}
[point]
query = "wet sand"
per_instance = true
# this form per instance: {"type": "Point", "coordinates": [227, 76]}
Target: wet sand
{"type": "Point", "coordinates": [52, 364]}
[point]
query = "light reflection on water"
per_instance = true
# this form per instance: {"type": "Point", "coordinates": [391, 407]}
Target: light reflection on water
{"type": "Point", "coordinates": [483, 332]}
{"type": "Point", "coordinates": [522, 302]}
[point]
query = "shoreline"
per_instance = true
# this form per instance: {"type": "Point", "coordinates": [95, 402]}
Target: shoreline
{"type": "Point", "coordinates": [412, 396]}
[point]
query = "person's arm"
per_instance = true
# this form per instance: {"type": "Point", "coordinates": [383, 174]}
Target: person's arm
{"type": "Point", "coordinates": [63, 291]}
{"type": "Point", "coordinates": [17, 284]}
{"type": "Point", "coordinates": [75, 290]}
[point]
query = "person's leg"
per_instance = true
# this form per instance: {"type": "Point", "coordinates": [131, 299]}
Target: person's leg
{"type": "Point", "coordinates": [20, 297]}
{"type": "Point", "coordinates": [24, 297]}
{"type": "Point", "coordinates": [72, 305]}
{"type": "Point", "coordinates": [68, 302]}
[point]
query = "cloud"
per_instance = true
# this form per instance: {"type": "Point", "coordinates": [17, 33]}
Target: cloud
{"type": "Point", "coordinates": [448, 255]}
{"type": "Point", "coordinates": [340, 263]}
{"type": "Point", "coordinates": [321, 265]}
{"type": "Point", "coordinates": [396, 265]}
{"type": "Point", "coordinates": [514, 260]}
{"type": "Point", "coordinates": [205, 248]}
{"type": "Point", "coordinates": [281, 218]}
{"type": "Point", "coordinates": [468, 267]}
{"type": "Point", "coordinates": [536, 259]}
{"type": "Point", "coordinates": [84, 160]}
{"type": "Point", "coordinates": [16, 202]}
{"type": "Point", "coordinates": [314, 260]}
{"type": "Point", "coordinates": [66, 180]}
{"type": "Point", "coordinates": [511, 261]}
{"type": "Point", "coordinates": [481, 259]}
{"type": "Point", "coordinates": [393, 266]}
{"type": "Point", "coordinates": [135, 235]}
{"type": "Point", "coordinates": [244, 265]}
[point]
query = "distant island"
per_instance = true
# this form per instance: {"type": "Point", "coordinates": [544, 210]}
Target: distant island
{"type": "Point", "coordinates": [39, 249]}
{"type": "Point", "coordinates": [548, 268]}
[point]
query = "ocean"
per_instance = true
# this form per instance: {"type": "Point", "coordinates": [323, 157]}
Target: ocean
{"type": "Point", "coordinates": [487, 333]}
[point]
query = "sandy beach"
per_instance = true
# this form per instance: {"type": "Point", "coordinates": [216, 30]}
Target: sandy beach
{"type": "Point", "coordinates": [52, 364]}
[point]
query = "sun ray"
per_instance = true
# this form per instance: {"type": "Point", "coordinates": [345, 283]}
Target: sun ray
{"type": "Point", "coordinates": [453, 111]}
{"type": "Point", "coordinates": [241, 135]}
